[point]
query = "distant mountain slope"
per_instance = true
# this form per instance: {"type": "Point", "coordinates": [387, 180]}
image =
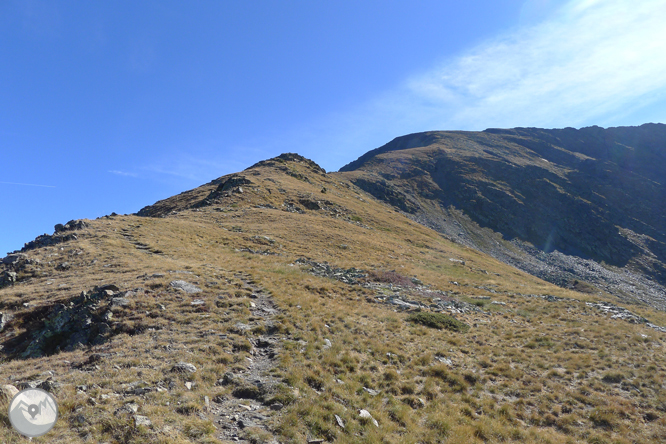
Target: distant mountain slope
{"type": "Point", "coordinates": [566, 200]}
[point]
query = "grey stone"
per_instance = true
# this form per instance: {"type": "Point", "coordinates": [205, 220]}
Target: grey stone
{"type": "Point", "coordinates": [185, 286]}
{"type": "Point", "coordinates": [366, 414]}
{"type": "Point", "coordinates": [184, 367]}
{"type": "Point", "coordinates": [49, 385]}
{"type": "Point", "coordinates": [228, 378]}
{"type": "Point", "coordinates": [141, 421]}
{"type": "Point", "coordinates": [28, 384]}
{"type": "Point", "coordinates": [4, 320]}
{"type": "Point", "coordinates": [340, 422]}
{"type": "Point", "coordinates": [444, 360]}
{"type": "Point", "coordinates": [13, 259]}
{"type": "Point", "coordinates": [130, 407]}
{"type": "Point", "coordinates": [119, 302]}
{"type": "Point", "coordinates": [402, 304]}
{"type": "Point", "coordinates": [112, 287]}
{"type": "Point", "coordinates": [71, 226]}
{"type": "Point", "coordinates": [8, 278]}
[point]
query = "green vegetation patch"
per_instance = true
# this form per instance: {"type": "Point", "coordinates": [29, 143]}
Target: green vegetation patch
{"type": "Point", "coordinates": [439, 321]}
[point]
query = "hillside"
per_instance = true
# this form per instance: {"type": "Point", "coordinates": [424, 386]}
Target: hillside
{"type": "Point", "coordinates": [579, 208]}
{"type": "Point", "coordinates": [285, 304]}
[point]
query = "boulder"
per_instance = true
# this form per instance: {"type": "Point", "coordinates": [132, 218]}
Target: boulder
{"type": "Point", "coordinates": [184, 367]}
{"type": "Point", "coordinates": [365, 415]}
{"type": "Point", "coordinates": [8, 278]}
{"type": "Point", "coordinates": [13, 259]}
{"type": "Point", "coordinates": [4, 320]}
{"type": "Point", "coordinates": [71, 226]}
{"type": "Point", "coordinates": [185, 286]}
{"type": "Point", "coordinates": [142, 421]}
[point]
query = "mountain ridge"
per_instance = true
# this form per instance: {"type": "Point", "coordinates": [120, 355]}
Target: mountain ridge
{"type": "Point", "coordinates": [284, 304]}
{"type": "Point", "coordinates": [536, 188]}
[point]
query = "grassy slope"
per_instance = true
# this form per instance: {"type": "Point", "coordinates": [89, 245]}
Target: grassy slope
{"type": "Point", "coordinates": [527, 371]}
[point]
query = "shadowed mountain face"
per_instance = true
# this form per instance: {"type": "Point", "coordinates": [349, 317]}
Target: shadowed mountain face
{"type": "Point", "coordinates": [556, 197]}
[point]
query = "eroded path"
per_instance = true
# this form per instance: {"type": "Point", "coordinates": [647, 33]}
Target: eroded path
{"type": "Point", "coordinates": [249, 411]}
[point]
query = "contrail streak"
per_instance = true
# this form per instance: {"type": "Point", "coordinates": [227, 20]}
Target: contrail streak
{"type": "Point", "coordinates": [29, 184]}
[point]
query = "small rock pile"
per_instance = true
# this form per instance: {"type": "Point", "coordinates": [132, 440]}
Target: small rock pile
{"type": "Point", "coordinates": [616, 312]}
{"type": "Point", "coordinates": [185, 287]}
{"type": "Point", "coordinates": [323, 269]}
{"type": "Point", "coordinates": [291, 207]}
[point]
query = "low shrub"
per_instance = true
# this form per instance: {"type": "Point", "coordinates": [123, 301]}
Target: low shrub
{"type": "Point", "coordinates": [439, 321]}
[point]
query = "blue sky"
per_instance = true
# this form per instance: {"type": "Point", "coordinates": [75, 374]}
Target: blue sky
{"type": "Point", "coordinates": [109, 106]}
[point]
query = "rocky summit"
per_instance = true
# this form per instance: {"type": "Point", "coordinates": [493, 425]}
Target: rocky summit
{"type": "Point", "coordinates": [448, 287]}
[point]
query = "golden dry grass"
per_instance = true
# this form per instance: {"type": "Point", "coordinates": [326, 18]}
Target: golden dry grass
{"type": "Point", "coordinates": [527, 371]}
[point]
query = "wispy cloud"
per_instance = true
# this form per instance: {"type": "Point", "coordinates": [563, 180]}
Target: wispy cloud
{"type": "Point", "coordinates": [588, 62]}
{"type": "Point", "coordinates": [28, 184]}
{"type": "Point", "coordinates": [591, 60]}
{"type": "Point", "coordinates": [198, 168]}
{"type": "Point", "coordinates": [123, 173]}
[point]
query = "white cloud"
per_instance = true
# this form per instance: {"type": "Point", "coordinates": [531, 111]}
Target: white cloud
{"type": "Point", "coordinates": [586, 62]}
{"type": "Point", "coordinates": [592, 59]}
{"type": "Point", "coordinates": [591, 62]}
{"type": "Point", "coordinates": [123, 173]}
{"type": "Point", "coordinates": [28, 184]}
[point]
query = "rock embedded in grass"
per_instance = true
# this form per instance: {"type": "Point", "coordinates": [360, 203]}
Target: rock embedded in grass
{"type": "Point", "coordinates": [184, 367]}
{"type": "Point", "coordinates": [185, 286]}
{"type": "Point", "coordinates": [141, 421]}
{"type": "Point", "coordinates": [364, 414]}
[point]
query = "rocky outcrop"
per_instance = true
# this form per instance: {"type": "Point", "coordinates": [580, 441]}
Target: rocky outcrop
{"type": "Point", "coordinates": [63, 233]}
{"type": "Point", "coordinates": [228, 187]}
{"type": "Point", "coordinates": [17, 266]}
{"type": "Point", "coordinates": [82, 321]}
{"type": "Point", "coordinates": [71, 226]}
{"type": "Point", "coordinates": [282, 159]}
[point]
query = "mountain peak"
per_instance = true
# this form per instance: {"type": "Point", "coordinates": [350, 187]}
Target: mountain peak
{"type": "Point", "coordinates": [289, 157]}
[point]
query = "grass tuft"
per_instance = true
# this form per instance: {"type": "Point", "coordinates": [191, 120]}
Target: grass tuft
{"type": "Point", "coordinates": [438, 320]}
